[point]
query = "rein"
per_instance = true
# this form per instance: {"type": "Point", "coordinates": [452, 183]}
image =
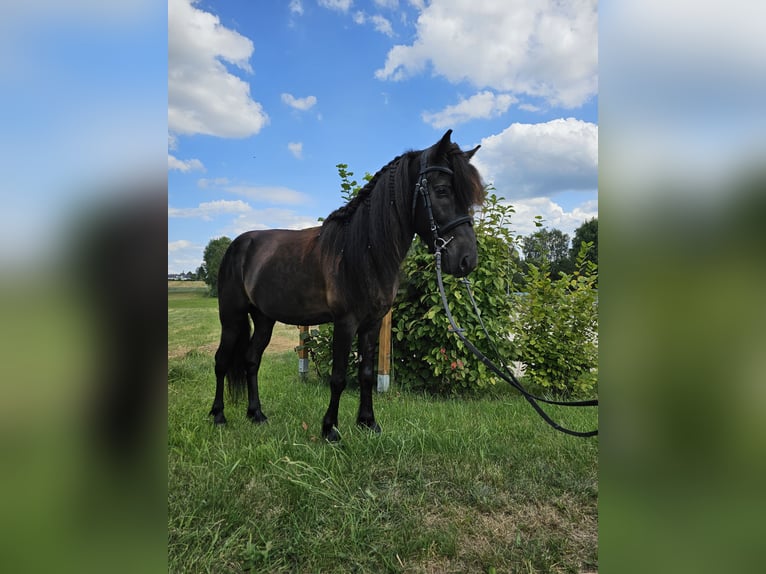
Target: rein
{"type": "Point", "coordinates": [421, 190]}
{"type": "Point", "coordinates": [506, 374]}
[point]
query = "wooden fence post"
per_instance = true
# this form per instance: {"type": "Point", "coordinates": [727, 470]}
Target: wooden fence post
{"type": "Point", "coordinates": [384, 354]}
{"type": "Point", "coordinates": [303, 353]}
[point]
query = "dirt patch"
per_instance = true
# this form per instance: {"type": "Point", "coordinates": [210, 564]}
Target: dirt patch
{"type": "Point", "coordinates": [512, 534]}
{"type": "Point", "coordinates": [284, 338]}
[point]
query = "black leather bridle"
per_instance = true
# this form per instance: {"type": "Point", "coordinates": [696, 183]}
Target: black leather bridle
{"type": "Point", "coordinates": [422, 190]}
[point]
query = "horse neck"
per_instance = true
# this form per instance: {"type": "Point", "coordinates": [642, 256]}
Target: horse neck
{"type": "Point", "coordinates": [394, 204]}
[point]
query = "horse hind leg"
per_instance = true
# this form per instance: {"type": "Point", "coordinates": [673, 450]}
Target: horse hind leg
{"type": "Point", "coordinates": [264, 327]}
{"type": "Point", "coordinates": [229, 361]}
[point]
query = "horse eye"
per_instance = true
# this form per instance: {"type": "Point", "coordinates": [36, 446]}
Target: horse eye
{"type": "Point", "coordinates": [442, 191]}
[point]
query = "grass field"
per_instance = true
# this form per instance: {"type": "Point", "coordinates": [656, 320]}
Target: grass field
{"type": "Point", "coordinates": [477, 485]}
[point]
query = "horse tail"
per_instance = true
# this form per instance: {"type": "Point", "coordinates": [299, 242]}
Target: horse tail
{"type": "Point", "coordinates": [235, 324]}
{"type": "Point", "coordinates": [236, 374]}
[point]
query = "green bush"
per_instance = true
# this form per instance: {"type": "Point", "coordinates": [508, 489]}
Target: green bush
{"type": "Point", "coordinates": [426, 355]}
{"type": "Point", "coordinates": [556, 327]}
{"type": "Point", "coordinates": [319, 347]}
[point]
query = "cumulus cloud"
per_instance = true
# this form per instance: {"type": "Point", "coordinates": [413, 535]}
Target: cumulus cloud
{"type": "Point", "coordinates": [301, 104]}
{"type": "Point", "coordinates": [526, 160]}
{"type": "Point", "coordinates": [204, 97]}
{"type": "Point", "coordinates": [482, 105]}
{"type": "Point", "coordinates": [296, 7]}
{"type": "Point", "coordinates": [208, 210]}
{"type": "Point", "coordinates": [184, 165]}
{"type": "Point", "coordinates": [540, 48]}
{"type": "Point", "coordinates": [554, 215]}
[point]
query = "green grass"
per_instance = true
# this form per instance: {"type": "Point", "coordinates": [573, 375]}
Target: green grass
{"type": "Point", "coordinates": [479, 485]}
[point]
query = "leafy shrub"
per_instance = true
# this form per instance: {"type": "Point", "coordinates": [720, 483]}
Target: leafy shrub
{"type": "Point", "coordinates": [556, 327]}
{"type": "Point", "coordinates": [319, 347]}
{"type": "Point", "coordinates": [426, 356]}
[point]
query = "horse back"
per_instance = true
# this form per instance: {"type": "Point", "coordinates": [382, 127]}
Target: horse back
{"type": "Point", "coordinates": [281, 274]}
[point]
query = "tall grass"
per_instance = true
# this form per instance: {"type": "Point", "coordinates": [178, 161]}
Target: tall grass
{"type": "Point", "coordinates": [449, 486]}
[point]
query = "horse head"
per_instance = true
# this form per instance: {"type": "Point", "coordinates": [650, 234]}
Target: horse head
{"type": "Point", "coordinates": [446, 192]}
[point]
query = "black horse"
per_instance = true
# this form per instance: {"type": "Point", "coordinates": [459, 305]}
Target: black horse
{"type": "Point", "coordinates": [346, 271]}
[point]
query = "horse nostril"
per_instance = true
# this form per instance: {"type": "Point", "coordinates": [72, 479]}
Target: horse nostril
{"type": "Point", "coordinates": [464, 264]}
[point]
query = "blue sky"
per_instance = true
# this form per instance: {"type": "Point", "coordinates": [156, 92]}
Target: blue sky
{"type": "Point", "coordinates": [265, 98]}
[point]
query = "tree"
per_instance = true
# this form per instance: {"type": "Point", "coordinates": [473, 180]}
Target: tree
{"type": "Point", "coordinates": [587, 232]}
{"type": "Point", "coordinates": [212, 261]}
{"type": "Point", "coordinates": [550, 248]}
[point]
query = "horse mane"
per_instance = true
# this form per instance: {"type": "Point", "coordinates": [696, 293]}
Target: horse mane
{"type": "Point", "coordinates": [369, 237]}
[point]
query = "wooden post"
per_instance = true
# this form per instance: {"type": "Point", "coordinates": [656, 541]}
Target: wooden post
{"type": "Point", "coordinates": [303, 353]}
{"type": "Point", "coordinates": [384, 354]}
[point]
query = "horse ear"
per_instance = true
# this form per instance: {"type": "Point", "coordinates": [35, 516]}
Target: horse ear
{"type": "Point", "coordinates": [469, 153]}
{"type": "Point", "coordinates": [442, 148]}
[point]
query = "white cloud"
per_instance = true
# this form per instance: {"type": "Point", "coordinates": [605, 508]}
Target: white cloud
{"type": "Point", "coordinates": [184, 255]}
{"type": "Point", "coordinates": [184, 165]}
{"type": "Point", "coordinates": [482, 105]}
{"type": "Point", "coordinates": [296, 148]}
{"type": "Point", "coordinates": [209, 209]}
{"type": "Point", "coordinates": [554, 215]}
{"type": "Point", "coordinates": [178, 245]}
{"type": "Point", "coordinates": [272, 218]}
{"type": "Point", "coordinates": [210, 182]}
{"type": "Point", "coordinates": [380, 23]}
{"type": "Point", "coordinates": [526, 160]}
{"type": "Point", "coordinates": [541, 48]}
{"type": "Point", "coordinates": [270, 194]}
{"type": "Point", "coordinates": [296, 7]}
{"type": "Point", "coordinates": [203, 96]}
{"type": "Point", "coordinates": [339, 5]}
{"type": "Point", "coordinates": [301, 104]}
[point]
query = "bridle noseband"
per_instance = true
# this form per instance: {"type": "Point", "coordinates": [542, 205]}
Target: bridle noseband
{"type": "Point", "coordinates": [422, 190]}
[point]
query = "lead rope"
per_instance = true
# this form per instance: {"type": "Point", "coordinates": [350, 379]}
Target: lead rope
{"type": "Point", "coordinates": [506, 375]}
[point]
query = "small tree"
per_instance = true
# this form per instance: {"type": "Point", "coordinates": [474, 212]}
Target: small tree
{"type": "Point", "coordinates": [212, 261]}
{"type": "Point", "coordinates": [588, 231]}
{"type": "Point", "coordinates": [548, 247]}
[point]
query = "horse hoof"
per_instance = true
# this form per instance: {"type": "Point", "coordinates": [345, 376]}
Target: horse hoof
{"type": "Point", "coordinates": [219, 419]}
{"type": "Point", "coordinates": [372, 427]}
{"type": "Point", "coordinates": [333, 436]}
{"type": "Point", "coordinates": [257, 417]}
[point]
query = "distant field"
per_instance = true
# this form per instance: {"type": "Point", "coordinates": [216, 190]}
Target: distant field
{"type": "Point", "coordinates": [194, 316]}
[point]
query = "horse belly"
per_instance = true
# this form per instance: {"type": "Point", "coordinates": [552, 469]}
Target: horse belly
{"type": "Point", "coordinates": [288, 285]}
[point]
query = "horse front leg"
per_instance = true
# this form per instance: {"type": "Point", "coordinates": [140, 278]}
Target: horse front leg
{"type": "Point", "coordinates": [368, 338]}
{"type": "Point", "coordinates": [343, 334]}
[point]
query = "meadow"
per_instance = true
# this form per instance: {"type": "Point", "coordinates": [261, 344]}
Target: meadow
{"type": "Point", "coordinates": [451, 485]}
